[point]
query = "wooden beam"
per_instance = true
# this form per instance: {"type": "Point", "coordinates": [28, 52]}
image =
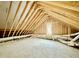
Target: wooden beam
{"type": "Point", "coordinates": [31, 20]}
{"type": "Point", "coordinates": [68, 13]}
{"type": "Point", "coordinates": [61, 17]}
{"type": "Point", "coordinates": [34, 19]}
{"type": "Point", "coordinates": [27, 20]}
{"type": "Point", "coordinates": [22, 20]}
{"type": "Point", "coordinates": [7, 18]}
{"type": "Point", "coordinates": [61, 5]}
{"type": "Point", "coordinates": [15, 17]}
{"type": "Point", "coordinates": [54, 9]}
{"type": "Point", "coordinates": [27, 3]}
{"type": "Point", "coordinates": [36, 22]}
{"type": "Point", "coordinates": [73, 18]}
{"type": "Point", "coordinates": [42, 21]}
{"type": "Point", "coordinates": [69, 29]}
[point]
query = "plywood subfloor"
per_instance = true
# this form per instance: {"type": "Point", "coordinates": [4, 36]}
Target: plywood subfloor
{"type": "Point", "coordinates": [35, 47]}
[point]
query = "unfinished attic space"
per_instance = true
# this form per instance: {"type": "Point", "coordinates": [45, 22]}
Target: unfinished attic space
{"type": "Point", "coordinates": [39, 29]}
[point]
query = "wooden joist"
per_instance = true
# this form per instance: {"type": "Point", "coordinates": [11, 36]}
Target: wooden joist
{"type": "Point", "coordinates": [35, 13]}
{"type": "Point", "coordinates": [62, 12]}
{"type": "Point", "coordinates": [39, 23]}
{"type": "Point", "coordinates": [34, 19]}
{"type": "Point", "coordinates": [7, 19]}
{"type": "Point", "coordinates": [60, 18]}
{"type": "Point", "coordinates": [62, 5]}
{"type": "Point", "coordinates": [22, 20]}
{"type": "Point", "coordinates": [27, 21]}
{"type": "Point", "coordinates": [19, 5]}
{"type": "Point", "coordinates": [36, 22]}
{"type": "Point", "coordinates": [30, 21]}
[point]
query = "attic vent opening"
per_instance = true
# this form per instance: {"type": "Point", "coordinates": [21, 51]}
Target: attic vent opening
{"type": "Point", "coordinates": [49, 28]}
